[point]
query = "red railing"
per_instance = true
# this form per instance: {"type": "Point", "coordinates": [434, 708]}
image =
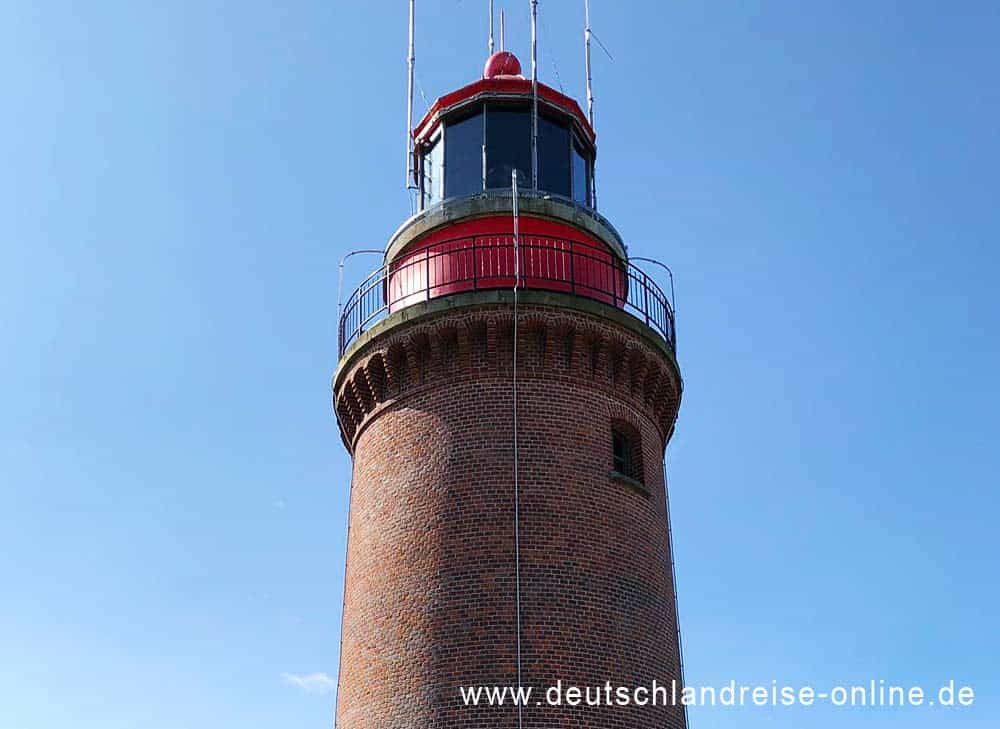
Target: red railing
{"type": "Point", "coordinates": [489, 262]}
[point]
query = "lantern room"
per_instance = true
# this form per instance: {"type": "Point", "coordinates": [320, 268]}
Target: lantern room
{"type": "Point", "coordinates": [473, 140]}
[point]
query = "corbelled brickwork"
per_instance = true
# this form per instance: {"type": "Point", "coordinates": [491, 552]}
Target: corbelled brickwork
{"type": "Point", "coordinates": [425, 406]}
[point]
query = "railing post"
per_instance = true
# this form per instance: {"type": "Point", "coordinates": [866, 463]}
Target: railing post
{"type": "Point", "coordinates": [645, 296]}
{"type": "Point", "coordinates": [427, 272]}
{"type": "Point", "coordinates": [572, 270]}
{"type": "Point", "coordinates": [614, 283]}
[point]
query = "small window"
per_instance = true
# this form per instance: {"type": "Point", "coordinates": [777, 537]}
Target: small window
{"type": "Point", "coordinates": [626, 452]}
{"type": "Point", "coordinates": [622, 456]}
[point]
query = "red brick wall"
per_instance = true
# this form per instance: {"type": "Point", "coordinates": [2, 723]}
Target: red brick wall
{"type": "Point", "coordinates": [429, 602]}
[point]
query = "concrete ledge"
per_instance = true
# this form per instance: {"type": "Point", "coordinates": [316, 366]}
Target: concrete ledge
{"type": "Point", "coordinates": [497, 203]}
{"type": "Point", "coordinates": [526, 297]}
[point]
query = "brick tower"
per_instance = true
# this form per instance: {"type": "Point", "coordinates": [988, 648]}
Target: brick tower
{"type": "Point", "coordinates": [507, 386]}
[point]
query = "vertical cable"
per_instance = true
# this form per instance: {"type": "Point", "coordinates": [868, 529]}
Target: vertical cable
{"type": "Point", "coordinates": [517, 496]}
{"type": "Point", "coordinates": [673, 578]}
{"type": "Point", "coordinates": [343, 606]}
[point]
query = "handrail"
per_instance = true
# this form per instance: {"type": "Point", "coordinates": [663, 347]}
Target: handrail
{"type": "Point", "coordinates": [483, 262]}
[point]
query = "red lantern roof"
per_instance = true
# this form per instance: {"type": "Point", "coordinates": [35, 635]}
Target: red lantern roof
{"type": "Point", "coordinates": [501, 79]}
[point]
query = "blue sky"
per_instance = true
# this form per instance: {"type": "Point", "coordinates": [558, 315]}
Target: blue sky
{"type": "Point", "coordinates": [180, 180]}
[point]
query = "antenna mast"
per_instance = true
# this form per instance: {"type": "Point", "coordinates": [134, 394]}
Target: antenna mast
{"type": "Point", "coordinates": [502, 24]}
{"type": "Point", "coordinates": [534, 94]}
{"type": "Point", "coordinates": [491, 28]}
{"type": "Point", "coordinates": [590, 98]}
{"type": "Point", "coordinates": [410, 167]}
{"type": "Point", "coordinates": [590, 78]}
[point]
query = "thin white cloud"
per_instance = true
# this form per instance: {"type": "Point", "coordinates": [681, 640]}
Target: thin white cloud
{"type": "Point", "coordinates": [279, 504]}
{"type": "Point", "coordinates": [313, 683]}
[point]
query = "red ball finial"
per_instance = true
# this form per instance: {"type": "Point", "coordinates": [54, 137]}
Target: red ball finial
{"type": "Point", "coordinates": [503, 63]}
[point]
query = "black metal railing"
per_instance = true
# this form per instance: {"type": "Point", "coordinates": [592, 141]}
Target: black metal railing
{"type": "Point", "coordinates": [484, 262]}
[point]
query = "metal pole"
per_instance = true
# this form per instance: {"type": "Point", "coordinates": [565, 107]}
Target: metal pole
{"type": "Point", "coordinates": [517, 232]}
{"type": "Point", "coordinates": [503, 24]}
{"type": "Point", "coordinates": [410, 168]}
{"type": "Point", "coordinates": [340, 280]}
{"type": "Point", "coordinates": [491, 28]}
{"type": "Point", "coordinates": [590, 78]}
{"type": "Point", "coordinates": [590, 98]}
{"type": "Point", "coordinates": [670, 274]}
{"type": "Point", "coordinates": [672, 314]}
{"type": "Point", "coordinates": [534, 94]}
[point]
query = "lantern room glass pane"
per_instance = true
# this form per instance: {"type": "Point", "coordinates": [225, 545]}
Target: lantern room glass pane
{"type": "Point", "coordinates": [581, 176]}
{"type": "Point", "coordinates": [553, 157]}
{"type": "Point", "coordinates": [508, 146]}
{"type": "Point", "coordinates": [464, 156]}
{"type": "Point", "coordinates": [432, 168]}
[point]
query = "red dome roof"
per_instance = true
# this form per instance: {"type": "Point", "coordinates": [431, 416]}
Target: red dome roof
{"type": "Point", "coordinates": [503, 63]}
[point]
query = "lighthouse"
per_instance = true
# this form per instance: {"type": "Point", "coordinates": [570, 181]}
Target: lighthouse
{"type": "Point", "coordinates": [507, 385]}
